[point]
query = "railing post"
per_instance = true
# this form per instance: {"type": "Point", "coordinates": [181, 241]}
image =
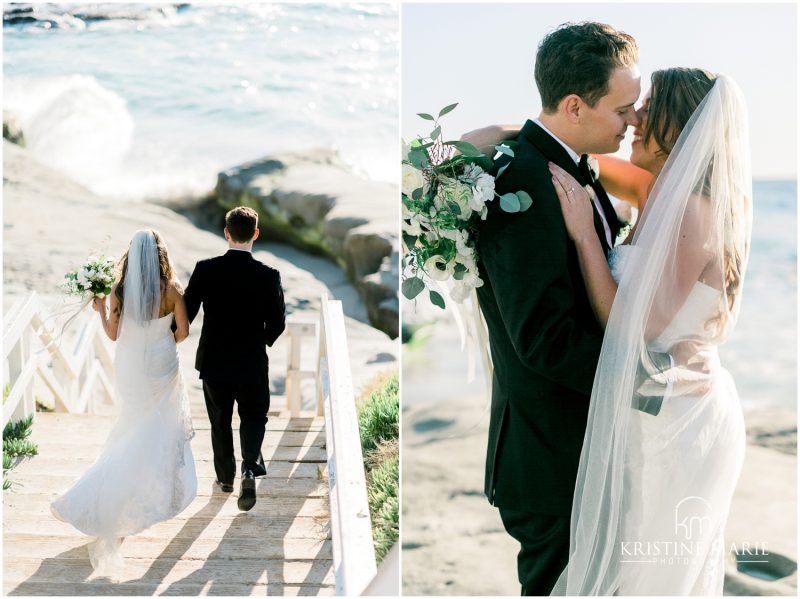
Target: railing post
{"type": "Point", "coordinates": [28, 398]}
{"type": "Point", "coordinates": [293, 372]}
{"type": "Point", "coordinates": [297, 331]}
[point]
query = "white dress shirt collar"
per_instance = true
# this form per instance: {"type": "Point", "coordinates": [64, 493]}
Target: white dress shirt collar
{"type": "Point", "coordinates": [572, 153]}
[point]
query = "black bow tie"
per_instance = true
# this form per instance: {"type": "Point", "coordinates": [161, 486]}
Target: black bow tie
{"type": "Point", "coordinates": [585, 171]}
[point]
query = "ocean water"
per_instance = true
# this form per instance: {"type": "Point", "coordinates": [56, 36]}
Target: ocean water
{"type": "Point", "coordinates": [156, 100]}
{"type": "Point", "coordinates": [761, 354]}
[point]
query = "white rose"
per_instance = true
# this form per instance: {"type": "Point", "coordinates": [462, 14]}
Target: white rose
{"type": "Point", "coordinates": [91, 259]}
{"type": "Point", "coordinates": [437, 268]}
{"type": "Point", "coordinates": [412, 179]}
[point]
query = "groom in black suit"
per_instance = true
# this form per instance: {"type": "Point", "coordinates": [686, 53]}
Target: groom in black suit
{"type": "Point", "coordinates": [544, 338]}
{"type": "Point", "coordinates": [243, 312]}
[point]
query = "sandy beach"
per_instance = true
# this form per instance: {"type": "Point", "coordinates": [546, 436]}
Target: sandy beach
{"type": "Point", "coordinates": [453, 540]}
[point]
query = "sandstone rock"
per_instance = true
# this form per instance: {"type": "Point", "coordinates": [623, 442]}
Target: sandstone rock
{"type": "Point", "coordinates": [313, 201]}
{"type": "Point", "coordinates": [382, 304]}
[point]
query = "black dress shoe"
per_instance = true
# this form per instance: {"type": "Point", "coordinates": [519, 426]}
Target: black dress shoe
{"type": "Point", "coordinates": [247, 496]}
{"type": "Point", "coordinates": [225, 487]}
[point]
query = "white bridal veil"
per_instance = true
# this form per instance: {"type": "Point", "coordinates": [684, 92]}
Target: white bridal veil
{"type": "Point", "coordinates": [661, 401]}
{"type": "Point", "coordinates": [142, 293]}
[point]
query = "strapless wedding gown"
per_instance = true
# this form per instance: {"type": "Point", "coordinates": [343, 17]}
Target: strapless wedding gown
{"type": "Point", "coordinates": [145, 473]}
{"type": "Point", "coordinates": [681, 467]}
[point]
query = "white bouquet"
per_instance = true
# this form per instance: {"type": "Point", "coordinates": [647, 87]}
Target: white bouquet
{"type": "Point", "coordinates": [445, 194]}
{"type": "Point", "coordinates": [93, 279]}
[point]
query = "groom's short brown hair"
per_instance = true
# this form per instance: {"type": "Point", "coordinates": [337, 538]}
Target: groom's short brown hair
{"type": "Point", "coordinates": [241, 223]}
{"type": "Point", "coordinates": [579, 58]}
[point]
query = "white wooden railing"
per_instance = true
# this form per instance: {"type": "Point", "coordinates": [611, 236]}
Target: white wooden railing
{"type": "Point", "coordinates": [351, 527]}
{"type": "Point", "coordinates": [34, 360]}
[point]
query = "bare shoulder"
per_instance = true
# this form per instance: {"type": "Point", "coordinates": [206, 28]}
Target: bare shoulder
{"type": "Point", "coordinates": [174, 289]}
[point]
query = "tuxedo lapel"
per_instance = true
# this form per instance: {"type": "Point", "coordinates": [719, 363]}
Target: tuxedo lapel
{"type": "Point", "coordinates": [558, 155]}
{"type": "Point", "coordinates": [551, 149]}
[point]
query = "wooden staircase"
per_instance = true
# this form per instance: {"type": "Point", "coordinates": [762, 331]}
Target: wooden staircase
{"type": "Point", "coordinates": [281, 547]}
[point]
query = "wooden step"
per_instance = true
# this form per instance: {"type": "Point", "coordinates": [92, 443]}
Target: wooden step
{"type": "Point", "coordinates": [269, 527]}
{"type": "Point", "coordinates": [72, 566]}
{"type": "Point", "coordinates": [36, 506]}
{"type": "Point", "coordinates": [74, 467]}
{"type": "Point", "coordinates": [101, 588]}
{"type": "Point", "coordinates": [144, 546]}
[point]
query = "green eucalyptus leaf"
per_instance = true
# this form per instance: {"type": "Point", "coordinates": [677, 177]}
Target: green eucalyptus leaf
{"type": "Point", "coordinates": [525, 201]}
{"type": "Point", "coordinates": [436, 299]}
{"type": "Point", "coordinates": [412, 287]}
{"type": "Point", "coordinates": [417, 193]}
{"type": "Point", "coordinates": [418, 158]}
{"type": "Point", "coordinates": [509, 202]}
{"type": "Point", "coordinates": [465, 148]}
{"type": "Point", "coordinates": [504, 149]}
{"type": "Point", "coordinates": [436, 133]}
{"type": "Point", "coordinates": [425, 116]}
{"type": "Point", "coordinates": [501, 170]}
{"type": "Point", "coordinates": [447, 109]}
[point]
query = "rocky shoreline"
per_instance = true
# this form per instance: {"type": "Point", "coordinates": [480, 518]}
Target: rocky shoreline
{"type": "Point", "coordinates": [313, 201]}
{"type": "Point", "coordinates": [51, 222]}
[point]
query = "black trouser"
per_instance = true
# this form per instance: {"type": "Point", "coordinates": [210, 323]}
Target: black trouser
{"type": "Point", "coordinates": [545, 548]}
{"type": "Point", "coordinates": [253, 404]}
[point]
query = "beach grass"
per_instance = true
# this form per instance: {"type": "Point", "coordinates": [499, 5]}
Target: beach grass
{"type": "Point", "coordinates": [379, 425]}
{"type": "Point", "coordinates": [16, 444]}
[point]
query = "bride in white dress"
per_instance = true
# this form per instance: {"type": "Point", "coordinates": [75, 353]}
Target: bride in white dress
{"type": "Point", "coordinates": [145, 473]}
{"type": "Point", "coordinates": [665, 438]}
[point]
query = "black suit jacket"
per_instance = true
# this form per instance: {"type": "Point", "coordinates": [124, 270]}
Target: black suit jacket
{"type": "Point", "coordinates": [243, 312]}
{"type": "Point", "coordinates": [544, 338]}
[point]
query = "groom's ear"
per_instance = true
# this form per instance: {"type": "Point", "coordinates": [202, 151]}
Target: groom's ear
{"type": "Point", "coordinates": [226, 233]}
{"type": "Point", "coordinates": [571, 106]}
{"type": "Point", "coordinates": [255, 235]}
